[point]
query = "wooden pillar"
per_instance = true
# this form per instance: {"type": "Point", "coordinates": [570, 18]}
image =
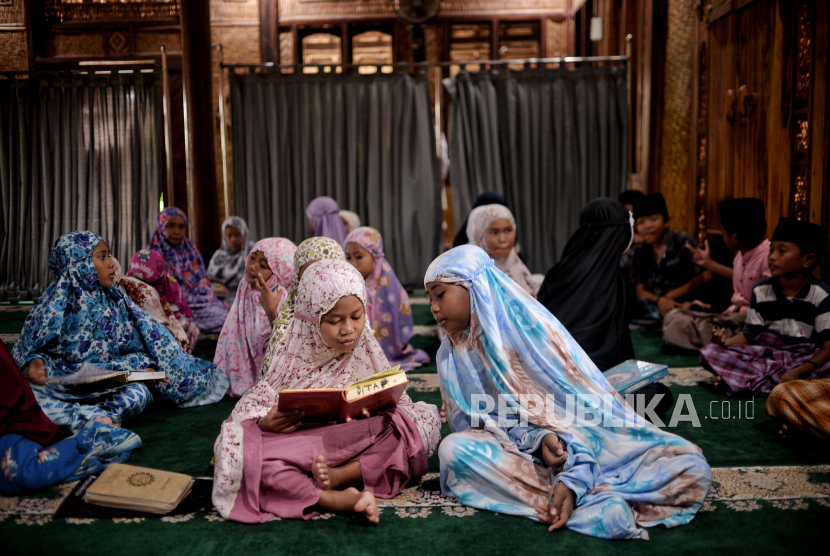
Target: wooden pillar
{"type": "Point", "coordinates": [202, 196]}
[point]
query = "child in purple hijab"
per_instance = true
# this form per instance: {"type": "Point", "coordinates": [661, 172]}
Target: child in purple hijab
{"type": "Point", "coordinates": [188, 267]}
{"type": "Point", "coordinates": [324, 219]}
{"type": "Point", "coordinates": [387, 304]}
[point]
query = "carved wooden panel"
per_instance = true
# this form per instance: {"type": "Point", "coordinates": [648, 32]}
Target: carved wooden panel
{"type": "Point", "coordinates": [12, 12]}
{"type": "Point", "coordinates": [13, 51]}
{"type": "Point", "coordinates": [151, 42]}
{"type": "Point", "coordinates": [801, 136]}
{"type": "Point", "coordinates": [676, 120]}
{"type": "Point", "coordinates": [557, 39]}
{"type": "Point", "coordinates": [758, 85]}
{"type": "Point", "coordinates": [63, 11]}
{"type": "Point", "coordinates": [286, 47]}
{"type": "Point", "coordinates": [76, 44]}
{"type": "Point", "coordinates": [234, 9]}
{"type": "Point", "coordinates": [119, 42]}
{"type": "Point", "coordinates": [297, 10]}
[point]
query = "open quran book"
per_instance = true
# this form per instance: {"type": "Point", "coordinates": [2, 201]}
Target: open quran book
{"type": "Point", "coordinates": [323, 405]}
{"type": "Point", "coordinates": [89, 373]}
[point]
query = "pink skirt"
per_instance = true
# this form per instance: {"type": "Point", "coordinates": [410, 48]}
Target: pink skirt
{"type": "Point", "coordinates": [277, 477]}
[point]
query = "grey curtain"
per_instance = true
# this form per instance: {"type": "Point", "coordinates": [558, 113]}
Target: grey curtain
{"type": "Point", "coordinates": [549, 140]}
{"type": "Point", "coordinates": [365, 140]}
{"type": "Point", "coordinates": [76, 153]}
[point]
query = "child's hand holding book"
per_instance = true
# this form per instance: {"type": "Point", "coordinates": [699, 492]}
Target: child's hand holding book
{"type": "Point", "coordinates": [281, 421]}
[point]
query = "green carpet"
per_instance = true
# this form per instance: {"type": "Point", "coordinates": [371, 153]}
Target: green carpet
{"type": "Point", "coordinates": [748, 511]}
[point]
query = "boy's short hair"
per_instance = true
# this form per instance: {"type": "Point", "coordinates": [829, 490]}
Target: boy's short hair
{"type": "Point", "coordinates": [745, 217]}
{"type": "Point", "coordinates": [810, 238]}
{"type": "Point", "coordinates": [651, 204]}
{"type": "Point", "coordinates": [631, 197]}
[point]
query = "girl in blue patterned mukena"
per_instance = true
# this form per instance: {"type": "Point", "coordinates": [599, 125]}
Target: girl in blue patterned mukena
{"type": "Point", "coordinates": [553, 440]}
{"type": "Point", "coordinates": [81, 324]}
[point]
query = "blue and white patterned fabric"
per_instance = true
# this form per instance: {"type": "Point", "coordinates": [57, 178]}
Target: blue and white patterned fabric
{"type": "Point", "coordinates": [624, 472]}
{"type": "Point", "coordinates": [27, 466]}
{"type": "Point", "coordinates": [76, 321]}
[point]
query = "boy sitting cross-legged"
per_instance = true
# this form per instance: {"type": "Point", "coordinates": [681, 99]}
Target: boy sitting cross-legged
{"type": "Point", "coordinates": [787, 332]}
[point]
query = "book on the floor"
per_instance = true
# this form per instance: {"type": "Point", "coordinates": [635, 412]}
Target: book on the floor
{"type": "Point", "coordinates": [139, 488]}
{"type": "Point", "coordinates": [323, 405]}
{"type": "Point", "coordinates": [220, 290]}
{"type": "Point", "coordinates": [629, 376]}
{"type": "Point", "coordinates": [89, 373]}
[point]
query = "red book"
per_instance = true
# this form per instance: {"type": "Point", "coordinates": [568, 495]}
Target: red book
{"type": "Point", "coordinates": [324, 405]}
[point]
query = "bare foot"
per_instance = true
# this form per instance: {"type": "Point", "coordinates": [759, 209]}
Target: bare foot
{"type": "Point", "coordinates": [784, 432]}
{"type": "Point", "coordinates": [36, 371]}
{"type": "Point", "coordinates": [107, 421]}
{"type": "Point", "coordinates": [320, 472]}
{"type": "Point", "coordinates": [333, 478]}
{"type": "Point", "coordinates": [351, 500]}
{"type": "Point", "coordinates": [368, 506]}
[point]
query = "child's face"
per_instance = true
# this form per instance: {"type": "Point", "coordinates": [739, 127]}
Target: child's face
{"type": "Point", "coordinates": [785, 259]}
{"type": "Point", "coordinates": [103, 264]}
{"type": "Point", "coordinates": [258, 262]}
{"type": "Point", "coordinates": [175, 230]}
{"type": "Point", "coordinates": [500, 237]}
{"type": "Point", "coordinates": [233, 237]}
{"type": "Point", "coordinates": [731, 241]}
{"type": "Point", "coordinates": [652, 228]}
{"type": "Point", "coordinates": [342, 326]}
{"type": "Point", "coordinates": [360, 258]}
{"type": "Point", "coordinates": [450, 306]}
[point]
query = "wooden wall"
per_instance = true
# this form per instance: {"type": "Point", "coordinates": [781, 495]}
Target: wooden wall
{"type": "Point", "coordinates": [760, 110]}
{"type": "Point", "coordinates": [15, 38]}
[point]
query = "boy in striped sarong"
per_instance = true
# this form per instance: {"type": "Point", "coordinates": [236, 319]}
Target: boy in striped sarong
{"type": "Point", "coordinates": [787, 332]}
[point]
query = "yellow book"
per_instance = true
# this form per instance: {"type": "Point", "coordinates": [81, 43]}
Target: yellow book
{"type": "Point", "coordinates": [139, 488]}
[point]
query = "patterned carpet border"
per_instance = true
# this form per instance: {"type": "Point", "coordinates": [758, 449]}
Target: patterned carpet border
{"type": "Point", "coordinates": [738, 488]}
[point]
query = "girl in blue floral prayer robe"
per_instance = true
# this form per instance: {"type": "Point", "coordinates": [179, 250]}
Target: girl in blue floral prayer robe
{"type": "Point", "coordinates": [590, 463]}
{"type": "Point", "coordinates": [83, 323]}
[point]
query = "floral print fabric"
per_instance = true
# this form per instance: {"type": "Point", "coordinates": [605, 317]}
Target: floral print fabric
{"type": "Point", "coordinates": [77, 322]}
{"type": "Point", "coordinates": [387, 304]}
{"type": "Point", "coordinates": [244, 336]}
{"type": "Point", "coordinates": [312, 249]}
{"type": "Point", "coordinates": [187, 266]}
{"type": "Point", "coordinates": [27, 466]}
{"type": "Point", "coordinates": [148, 300]}
{"type": "Point", "coordinates": [228, 266]}
{"type": "Point", "coordinates": [304, 360]}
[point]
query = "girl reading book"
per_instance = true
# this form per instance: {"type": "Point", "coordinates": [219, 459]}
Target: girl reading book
{"type": "Point", "coordinates": [269, 271]}
{"type": "Point", "coordinates": [266, 465]}
{"type": "Point", "coordinates": [82, 324]}
{"type": "Point", "coordinates": [600, 470]}
{"type": "Point", "coordinates": [387, 304]}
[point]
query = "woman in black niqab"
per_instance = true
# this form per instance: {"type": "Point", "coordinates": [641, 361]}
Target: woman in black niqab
{"type": "Point", "coordinates": [585, 290]}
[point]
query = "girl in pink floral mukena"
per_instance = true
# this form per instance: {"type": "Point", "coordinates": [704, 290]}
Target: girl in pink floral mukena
{"type": "Point", "coordinates": [267, 466]}
{"type": "Point", "coordinates": [387, 303]}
